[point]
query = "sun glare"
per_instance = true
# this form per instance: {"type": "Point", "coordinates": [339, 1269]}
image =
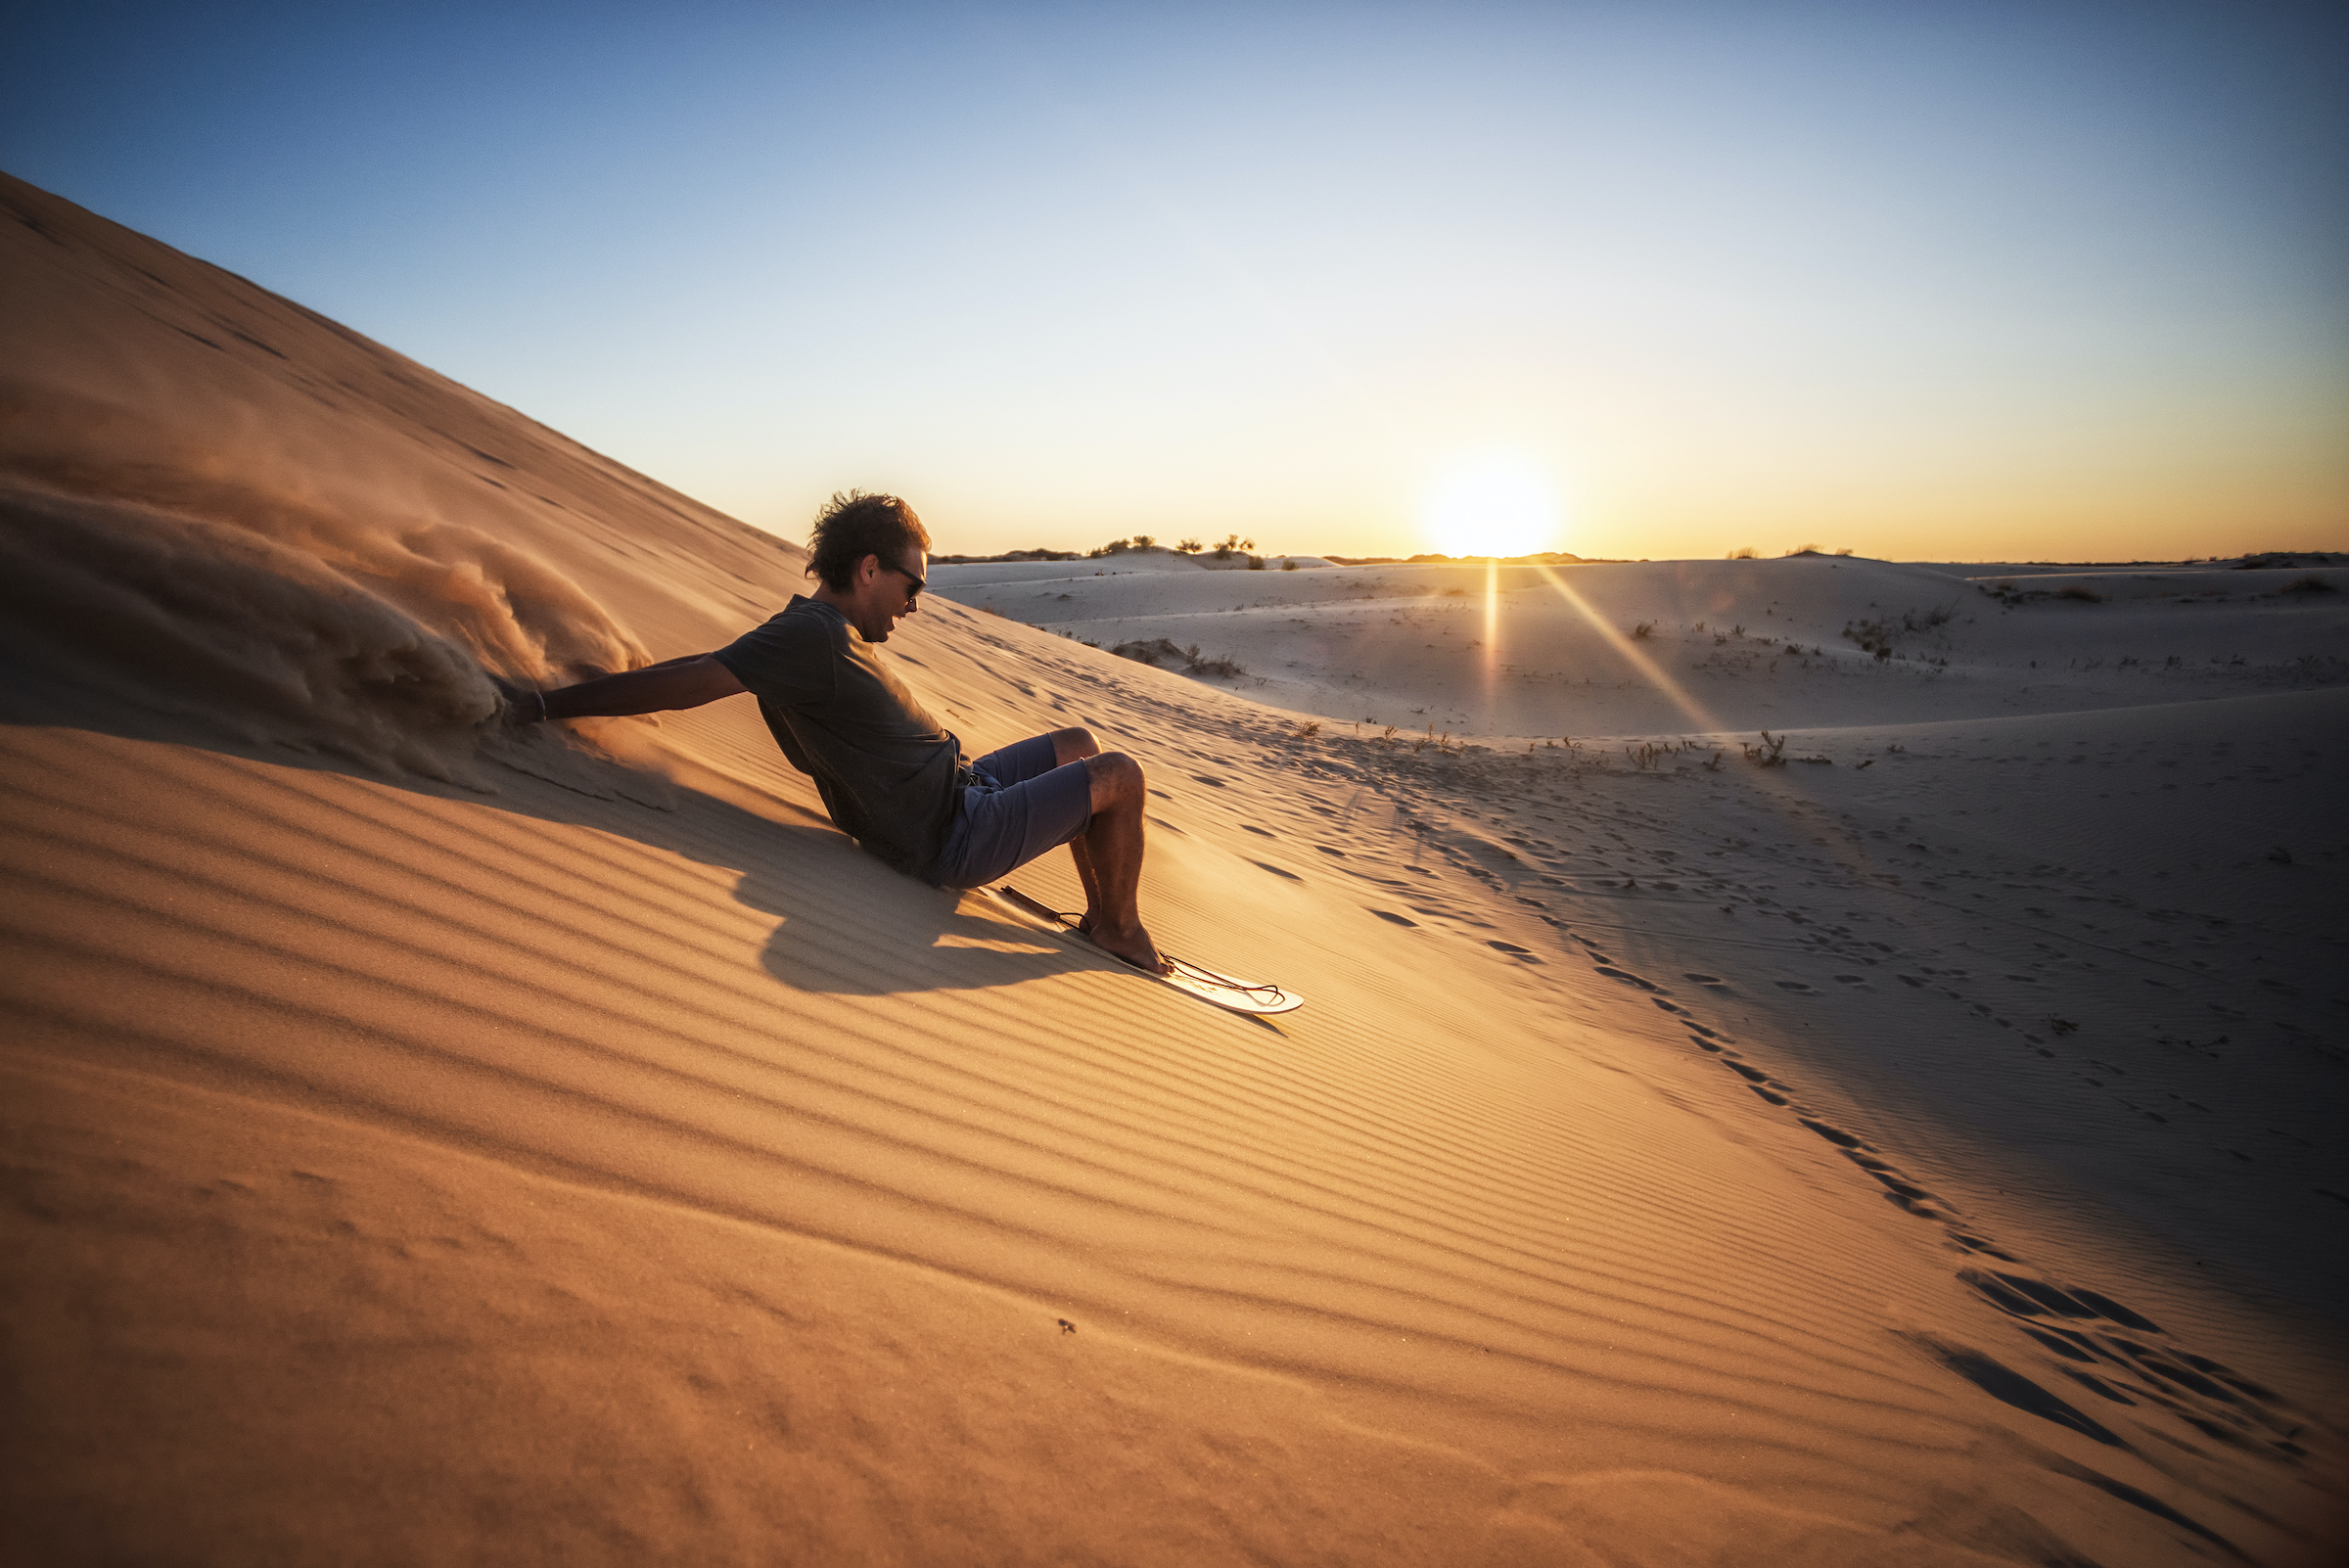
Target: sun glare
{"type": "Point", "coordinates": [1491, 505]}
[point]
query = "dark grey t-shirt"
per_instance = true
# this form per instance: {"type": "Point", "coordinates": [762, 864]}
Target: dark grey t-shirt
{"type": "Point", "coordinates": [885, 769]}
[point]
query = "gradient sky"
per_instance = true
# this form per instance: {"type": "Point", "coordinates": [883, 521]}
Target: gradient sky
{"type": "Point", "coordinates": [1971, 280]}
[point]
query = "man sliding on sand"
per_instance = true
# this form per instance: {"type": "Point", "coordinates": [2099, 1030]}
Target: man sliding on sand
{"type": "Point", "coordinates": [890, 776]}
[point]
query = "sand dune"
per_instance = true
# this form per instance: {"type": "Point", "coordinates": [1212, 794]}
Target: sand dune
{"type": "Point", "coordinates": [1728, 646]}
{"type": "Point", "coordinates": [427, 1145]}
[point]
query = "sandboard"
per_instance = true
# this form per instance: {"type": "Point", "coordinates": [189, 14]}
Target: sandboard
{"type": "Point", "coordinates": [1221, 991]}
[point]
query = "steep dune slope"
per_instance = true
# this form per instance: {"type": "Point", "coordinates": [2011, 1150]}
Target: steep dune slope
{"type": "Point", "coordinates": [432, 1145]}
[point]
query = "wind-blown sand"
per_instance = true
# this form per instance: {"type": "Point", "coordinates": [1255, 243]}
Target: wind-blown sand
{"type": "Point", "coordinates": [429, 1146]}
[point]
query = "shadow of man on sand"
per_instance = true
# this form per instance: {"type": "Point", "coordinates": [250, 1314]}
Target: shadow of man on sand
{"type": "Point", "coordinates": [849, 925]}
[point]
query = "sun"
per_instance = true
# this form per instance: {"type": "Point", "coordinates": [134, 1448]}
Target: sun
{"type": "Point", "coordinates": [1495, 504]}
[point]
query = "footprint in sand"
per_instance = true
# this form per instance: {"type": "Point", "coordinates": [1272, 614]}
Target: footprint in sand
{"type": "Point", "coordinates": [1761, 1083]}
{"type": "Point", "coordinates": [1795, 986]}
{"type": "Point", "coordinates": [1833, 1134]}
{"type": "Point", "coordinates": [1266, 865]}
{"type": "Point", "coordinates": [1326, 850]}
{"type": "Point", "coordinates": [1627, 976]}
{"type": "Point", "coordinates": [2023, 1296]}
{"type": "Point", "coordinates": [1522, 954]}
{"type": "Point", "coordinates": [1263, 833]}
{"type": "Point", "coordinates": [1395, 919]}
{"type": "Point", "coordinates": [2010, 1387]}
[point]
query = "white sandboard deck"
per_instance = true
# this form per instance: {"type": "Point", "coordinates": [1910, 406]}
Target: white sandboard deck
{"type": "Point", "coordinates": [1223, 990]}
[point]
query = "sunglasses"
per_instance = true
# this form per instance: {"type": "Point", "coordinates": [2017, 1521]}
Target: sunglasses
{"type": "Point", "coordinates": [913, 584]}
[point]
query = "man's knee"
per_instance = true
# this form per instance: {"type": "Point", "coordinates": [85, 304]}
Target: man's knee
{"type": "Point", "coordinates": [1074, 745]}
{"type": "Point", "coordinates": [1116, 778]}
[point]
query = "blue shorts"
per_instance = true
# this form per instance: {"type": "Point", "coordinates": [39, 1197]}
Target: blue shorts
{"type": "Point", "coordinates": [1020, 807]}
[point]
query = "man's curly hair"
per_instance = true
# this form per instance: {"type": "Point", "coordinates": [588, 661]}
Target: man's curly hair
{"type": "Point", "coordinates": [852, 525]}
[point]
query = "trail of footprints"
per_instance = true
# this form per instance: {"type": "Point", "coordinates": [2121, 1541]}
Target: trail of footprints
{"type": "Point", "coordinates": [2100, 1346]}
{"type": "Point", "coordinates": [2117, 1361]}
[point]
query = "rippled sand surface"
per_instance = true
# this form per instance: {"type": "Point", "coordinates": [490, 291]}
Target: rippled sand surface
{"type": "Point", "coordinates": [427, 1144]}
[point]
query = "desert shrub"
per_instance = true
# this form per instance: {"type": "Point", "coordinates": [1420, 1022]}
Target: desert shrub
{"type": "Point", "coordinates": [1289, 565]}
{"type": "Point", "coordinates": [1804, 549]}
{"type": "Point", "coordinates": [1744, 552]}
{"type": "Point", "coordinates": [1148, 652]}
{"type": "Point", "coordinates": [2079, 596]}
{"type": "Point", "coordinates": [1191, 547]}
{"type": "Point", "coordinates": [1873, 636]}
{"type": "Point", "coordinates": [2312, 583]}
{"type": "Point", "coordinates": [1156, 650]}
{"type": "Point", "coordinates": [1843, 550]}
{"type": "Point", "coordinates": [1644, 630]}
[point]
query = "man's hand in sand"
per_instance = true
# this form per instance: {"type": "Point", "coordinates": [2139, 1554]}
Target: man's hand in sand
{"type": "Point", "coordinates": [889, 775]}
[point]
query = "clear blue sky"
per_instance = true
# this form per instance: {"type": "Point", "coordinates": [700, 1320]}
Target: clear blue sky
{"type": "Point", "coordinates": [1973, 280]}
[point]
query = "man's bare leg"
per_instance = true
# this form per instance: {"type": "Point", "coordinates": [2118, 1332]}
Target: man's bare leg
{"type": "Point", "coordinates": [1109, 860]}
{"type": "Point", "coordinates": [1076, 745]}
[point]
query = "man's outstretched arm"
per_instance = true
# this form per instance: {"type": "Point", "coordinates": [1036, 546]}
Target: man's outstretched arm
{"type": "Point", "coordinates": [686, 683]}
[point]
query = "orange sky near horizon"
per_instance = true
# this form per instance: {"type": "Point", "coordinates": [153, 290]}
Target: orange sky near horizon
{"type": "Point", "coordinates": [1975, 284]}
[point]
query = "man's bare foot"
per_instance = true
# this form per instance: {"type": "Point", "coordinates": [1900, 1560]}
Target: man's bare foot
{"type": "Point", "coordinates": [1133, 943]}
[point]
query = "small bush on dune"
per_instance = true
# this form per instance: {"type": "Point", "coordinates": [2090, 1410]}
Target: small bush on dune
{"type": "Point", "coordinates": [1744, 552]}
{"type": "Point", "coordinates": [1149, 651]}
{"type": "Point", "coordinates": [1643, 630]}
{"type": "Point", "coordinates": [1153, 650]}
{"type": "Point", "coordinates": [2080, 595]}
